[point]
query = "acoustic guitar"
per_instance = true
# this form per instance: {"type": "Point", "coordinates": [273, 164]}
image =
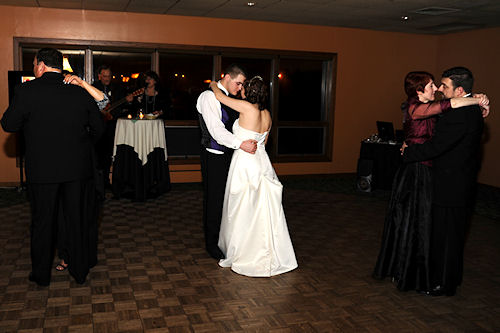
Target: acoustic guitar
{"type": "Point", "coordinates": [106, 112]}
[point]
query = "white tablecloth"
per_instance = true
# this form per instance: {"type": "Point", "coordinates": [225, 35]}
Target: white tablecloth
{"type": "Point", "coordinates": [143, 135]}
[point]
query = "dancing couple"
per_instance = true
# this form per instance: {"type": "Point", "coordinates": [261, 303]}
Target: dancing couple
{"type": "Point", "coordinates": [432, 193]}
{"type": "Point", "coordinates": [244, 222]}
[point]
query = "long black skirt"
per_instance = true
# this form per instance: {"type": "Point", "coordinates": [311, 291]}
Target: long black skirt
{"type": "Point", "coordinates": [404, 253]}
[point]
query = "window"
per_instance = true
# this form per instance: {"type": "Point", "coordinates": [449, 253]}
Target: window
{"type": "Point", "coordinates": [301, 140]}
{"type": "Point", "coordinates": [253, 66]}
{"type": "Point", "coordinates": [300, 93]}
{"type": "Point", "coordinates": [74, 58]}
{"type": "Point", "coordinates": [301, 88]}
{"type": "Point", "coordinates": [303, 101]}
{"type": "Point", "coordinates": [184, 77]}
{"type": "Point", "coordinates": [123, 66]}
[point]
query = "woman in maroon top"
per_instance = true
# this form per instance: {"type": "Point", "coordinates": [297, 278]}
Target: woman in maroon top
{"type": "Point", "coordinates": [404, 254]}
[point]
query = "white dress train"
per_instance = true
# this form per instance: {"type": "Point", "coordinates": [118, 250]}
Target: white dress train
{"type": "Point", "coordinates": [254, 235]}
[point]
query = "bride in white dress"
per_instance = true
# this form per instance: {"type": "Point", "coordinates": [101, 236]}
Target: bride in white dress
{"type": "Point", "coordinates": [253, 235]}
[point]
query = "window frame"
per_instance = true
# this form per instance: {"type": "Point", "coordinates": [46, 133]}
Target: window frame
{"type": "Point", "coordinates": [328, 84]}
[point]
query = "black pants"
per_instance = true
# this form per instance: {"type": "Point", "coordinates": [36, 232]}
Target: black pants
{"type": "Point", "coordinates": [214, 170]}
{"type": "Point", "coordinates": [447, 246]}
{"type": "Point", "coordinates": [104, 150]}
{"type": "Point", "coordinates": [72, 206]}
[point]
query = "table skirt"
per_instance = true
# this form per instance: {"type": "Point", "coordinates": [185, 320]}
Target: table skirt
{"type": "Point", "coordinates": [386, 161]}
{"type": "Point", "coordinates": [131, 179]}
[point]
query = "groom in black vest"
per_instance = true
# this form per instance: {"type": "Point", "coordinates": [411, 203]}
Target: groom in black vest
{"type": "Point", "coordinates": [218, 143]}
{"type": "Point", "coordinates": [454, 149]}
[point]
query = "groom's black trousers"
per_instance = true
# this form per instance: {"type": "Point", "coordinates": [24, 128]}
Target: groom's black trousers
{"type": "Point", "coordinates": [214, 170]}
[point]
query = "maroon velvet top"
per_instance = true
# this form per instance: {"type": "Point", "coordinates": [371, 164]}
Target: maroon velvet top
{"type": "Point", "coordinates": [420, 119]}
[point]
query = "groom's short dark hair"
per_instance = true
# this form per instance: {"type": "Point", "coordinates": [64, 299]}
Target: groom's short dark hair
{"type": "Point", "coordinates": [461, 77]}
{"type": "Point", "coordinates": [234, 70]}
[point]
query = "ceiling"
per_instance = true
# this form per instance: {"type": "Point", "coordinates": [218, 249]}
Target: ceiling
{"type": "Point", "coordinates": [423, 16]}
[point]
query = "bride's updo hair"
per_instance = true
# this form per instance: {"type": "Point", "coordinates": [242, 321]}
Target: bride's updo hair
{"type": "Point", "coordinates": [256, 91]}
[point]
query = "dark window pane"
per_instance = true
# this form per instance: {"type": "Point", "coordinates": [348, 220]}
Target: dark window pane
{"type": "Point", "coordinates": [184, 77]}
{"type": "Point", "coordinates": [183, 141]}
{"type": "Point", "coordinates": [300, 96]}
{"type": "Point", "coordinates": [76, 59]}
{"type": "Point", "coordinates": [253, 67]}
{"type": "Point", "coordinates": [300, 141]}
{"type": "Point", "coordinates": [123, 65]}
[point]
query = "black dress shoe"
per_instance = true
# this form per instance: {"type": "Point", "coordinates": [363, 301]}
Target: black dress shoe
{"type": "Point", "coordinates": [215, 253]}
{"type": "Point", "coordinates": [442, 291]}
{"type": "Point", "coordinates": [32, 278]}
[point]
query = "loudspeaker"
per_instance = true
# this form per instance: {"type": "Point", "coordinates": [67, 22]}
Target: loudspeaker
{"type": "Point", "coordinates": [364, 175]}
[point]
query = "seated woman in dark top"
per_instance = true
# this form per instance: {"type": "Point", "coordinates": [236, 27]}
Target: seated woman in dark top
{"type": "Point", "coordinates": [153, 100]}
{"type": "Point", "coordinates": [404, 253]}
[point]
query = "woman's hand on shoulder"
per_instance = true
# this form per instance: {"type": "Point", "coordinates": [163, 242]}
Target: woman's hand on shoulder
{"type": "Point", "coordinates": [485, 110]}
{"type": "Point", "coordinates": [484, 103]}
{"type": "Point", "coordinates": [483, 99]}
{"type": "Point", "coordinates": [213, 84]}
{"type": "Point", "coordinates": [72, 79]}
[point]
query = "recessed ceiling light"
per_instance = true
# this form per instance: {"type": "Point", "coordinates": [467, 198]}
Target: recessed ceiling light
{"type": "Point", "coordinates": [250, 4]}
{"type": "Point", "coordinates": [405, 18]}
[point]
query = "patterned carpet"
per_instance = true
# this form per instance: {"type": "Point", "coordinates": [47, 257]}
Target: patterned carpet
{"type": "Point", "coordinates": [153, 274]}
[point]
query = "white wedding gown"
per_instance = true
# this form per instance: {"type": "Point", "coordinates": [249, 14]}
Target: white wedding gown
{"type": "Point", "coordinates": [254, 235]}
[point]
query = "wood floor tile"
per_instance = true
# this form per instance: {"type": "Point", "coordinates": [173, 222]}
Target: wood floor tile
{"type": "Point", "coordinates": [154, 275]}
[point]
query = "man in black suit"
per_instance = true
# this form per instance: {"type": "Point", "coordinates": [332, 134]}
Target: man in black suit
{"type": "Point", "coordinates": [454, 149]}
{"type": "Point", "coordinates": [60, 122]}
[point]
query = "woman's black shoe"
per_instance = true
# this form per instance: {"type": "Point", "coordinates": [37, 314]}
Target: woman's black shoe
{"type": "Point", "coordinates": [32, 278]}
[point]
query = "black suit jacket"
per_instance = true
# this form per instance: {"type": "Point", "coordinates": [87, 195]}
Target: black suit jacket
{"type": "Point", "coordinates": [60, 122]}
{"type": "Point", "coordinates": [454, 149]}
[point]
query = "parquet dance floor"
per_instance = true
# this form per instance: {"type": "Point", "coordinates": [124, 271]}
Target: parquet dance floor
{"type": "Point", "coordinates": [153, 275]}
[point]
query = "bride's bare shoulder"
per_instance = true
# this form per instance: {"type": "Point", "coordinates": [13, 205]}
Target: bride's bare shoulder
{"type": "Point", "coordinates": [265, 114]}
{"type": "Point", "coordinates": [265, 119]}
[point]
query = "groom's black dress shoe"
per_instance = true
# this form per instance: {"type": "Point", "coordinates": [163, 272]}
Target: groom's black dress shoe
{"type": "Point", "coordinates": [32, 278]}
{"type": "Point", "coordinates": [215, 253]}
